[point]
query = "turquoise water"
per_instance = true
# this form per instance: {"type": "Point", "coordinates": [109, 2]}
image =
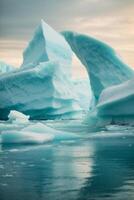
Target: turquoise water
{"type": "Point", "coordinates": [99, 166]}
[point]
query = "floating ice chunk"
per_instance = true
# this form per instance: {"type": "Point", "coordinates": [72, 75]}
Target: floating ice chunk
{"type": "Point", "coordinates": [36, 133]}
{"type": "Point", "coordinates": [43, 129]}
{"type": "Point", "coordinates": [21, 137]}
{"type": "Point", "coordinates": [38, 128]}
{"type": "Point", "coordinates": [17, 117]}
{"type": "Point", "coordinates": [104, 67]}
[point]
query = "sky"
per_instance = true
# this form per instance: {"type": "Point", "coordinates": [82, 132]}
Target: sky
{"type": "Point", "coordinates": [109, 20]}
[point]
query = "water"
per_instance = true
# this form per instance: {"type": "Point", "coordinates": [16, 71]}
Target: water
{"type": "Point", "coordinates": [99, 166]}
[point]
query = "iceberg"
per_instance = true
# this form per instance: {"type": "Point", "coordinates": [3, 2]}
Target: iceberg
{"type": "Point", "coordinates": [115, 106]}
{"type": "Point", "coordinates": [5, 68]}
{"type": "Point", "coordinates": [117, 103]}
{"type": "Point", "coordinates": [103, 65]}
{"type": "Point", "coordinates": [111, 81]}
{"type": "Point", "coordinates": [17, 117]}
{"type": "Point", "coordinates": [43, 87]}
{"type": "Point", "coordinates": [48, 45]}
{"type": "Point", "coordinates": [42, 92]}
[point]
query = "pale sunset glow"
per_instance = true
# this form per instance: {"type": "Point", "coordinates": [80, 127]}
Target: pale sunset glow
{"type": "Point", "coordinates": [111, 21]}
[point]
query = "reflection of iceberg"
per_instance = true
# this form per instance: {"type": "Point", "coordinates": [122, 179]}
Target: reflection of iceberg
{"type": "Point", "coordinates": [80, 167]}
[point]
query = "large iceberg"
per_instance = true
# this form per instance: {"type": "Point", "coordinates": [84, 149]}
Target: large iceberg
{"type": "Point", "coordinates": [104, 66]}
{"type": "Point", "coordinates": [112, 81]}
{"type": "Point", "coordinates": [4, 68]}
{"type": "Point", "coordinates": [42, 92]}
{"type": "Point", "coordinates": [43, 87]}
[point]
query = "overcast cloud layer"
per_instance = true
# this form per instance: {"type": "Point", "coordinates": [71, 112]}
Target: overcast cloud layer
{"type": "Point", "coordinates": [109, 20]}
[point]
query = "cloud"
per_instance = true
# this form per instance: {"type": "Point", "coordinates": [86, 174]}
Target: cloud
{"type": "Point", "coordinates": [109, 20]}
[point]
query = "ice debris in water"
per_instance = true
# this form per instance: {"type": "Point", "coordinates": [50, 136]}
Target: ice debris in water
{"type": "Point", "coordinates": [17, 117]}
{"type": "Point", "coordinates": [31, 133]}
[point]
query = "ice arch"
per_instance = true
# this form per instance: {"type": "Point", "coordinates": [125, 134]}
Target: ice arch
{"type": "Point", "coordinates": [103, 65]}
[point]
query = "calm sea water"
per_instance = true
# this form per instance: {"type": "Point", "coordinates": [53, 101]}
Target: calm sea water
{"type": "Point", "coordinates": [98, 167]}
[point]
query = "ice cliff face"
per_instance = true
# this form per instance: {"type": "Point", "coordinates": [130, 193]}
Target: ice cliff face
{"type": "Point", "coordinates": [115, 106]}
{"type": "Point", "coordinates": [102, 63]}
{"type": "Point", "coordinates": [112, 81]}
{"type": "Point", "coordinates": [42, 87]}
{"type": "Point", "coordinates": [84, 93]}
{"type": "Point", "coordinates": [117, 102]}
{"type": "Point", "coordinates": [42, 92]}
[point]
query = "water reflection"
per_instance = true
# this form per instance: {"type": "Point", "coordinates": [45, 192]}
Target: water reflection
{"type": "Point", "coordinates": [83, 170]}
{"type": "Point", "coordinates": [113, 170]}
